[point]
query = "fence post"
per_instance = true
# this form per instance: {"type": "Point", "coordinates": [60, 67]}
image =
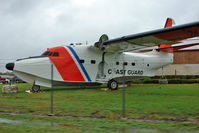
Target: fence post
{"type": "Point", "coordinates": [123, 99]}
{"type": "Point", "coordinates": [52, 89]}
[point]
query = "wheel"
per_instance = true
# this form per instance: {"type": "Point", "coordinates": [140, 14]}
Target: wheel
{"type": "Point", "coordinates": [35, 88]}
{"type": "Point", "coordinates": [112, 84]}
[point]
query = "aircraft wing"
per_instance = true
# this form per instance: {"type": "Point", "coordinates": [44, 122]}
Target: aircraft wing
{"type": "Point", "coordinates": [171, 35]}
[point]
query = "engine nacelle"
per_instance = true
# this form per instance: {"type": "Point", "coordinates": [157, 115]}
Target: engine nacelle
{"type": "Point", "coordinates": [100, 43]}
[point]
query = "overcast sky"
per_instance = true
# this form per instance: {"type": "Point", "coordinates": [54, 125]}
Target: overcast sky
{"type": "Point", "coordinates": [28, 27]}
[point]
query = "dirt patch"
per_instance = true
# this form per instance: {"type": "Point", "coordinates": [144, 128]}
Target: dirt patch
{"type": "Point", "coordinates": [177, 120]}
{"type": "Point", "coordinates": [67, 125]}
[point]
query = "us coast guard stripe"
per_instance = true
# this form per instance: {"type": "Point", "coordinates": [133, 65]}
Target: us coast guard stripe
{"type": "Point", "coordinates": [80, 64]}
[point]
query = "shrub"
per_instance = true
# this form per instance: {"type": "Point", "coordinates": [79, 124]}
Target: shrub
{"type": "Point", "coordinates": [170, 81]}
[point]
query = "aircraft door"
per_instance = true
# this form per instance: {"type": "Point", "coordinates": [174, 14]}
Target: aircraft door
{"type": "Point", "coordinates": [102, 69]}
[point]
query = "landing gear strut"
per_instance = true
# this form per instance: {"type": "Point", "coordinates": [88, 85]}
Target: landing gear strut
{"type": "Point", "coordinates": [35, 88]}
{"type": "Point", "coordinates": [112, 84]}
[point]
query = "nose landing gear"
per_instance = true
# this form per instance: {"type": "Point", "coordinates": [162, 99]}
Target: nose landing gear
{"type": "Point", "coordinates": [36, 88]}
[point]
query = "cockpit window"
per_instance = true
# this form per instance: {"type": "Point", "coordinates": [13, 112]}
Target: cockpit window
{"type": "Point", "coordinates": [55, 54]}
{"type": "Point", "coordinates": [46, 53]}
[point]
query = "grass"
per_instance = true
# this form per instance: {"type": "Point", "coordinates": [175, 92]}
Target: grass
{"type": "Point", "coordinates": [173, 102]}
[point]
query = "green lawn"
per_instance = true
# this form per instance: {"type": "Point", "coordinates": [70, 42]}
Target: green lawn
{"type": "Point", "coordinates": [173, 102]}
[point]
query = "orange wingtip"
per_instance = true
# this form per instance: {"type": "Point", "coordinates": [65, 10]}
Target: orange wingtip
{"type": "Point", "coordinates": [167, 48]}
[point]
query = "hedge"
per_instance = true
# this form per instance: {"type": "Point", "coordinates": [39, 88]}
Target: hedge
{"type": "Point", "coordinates": [170, 81]}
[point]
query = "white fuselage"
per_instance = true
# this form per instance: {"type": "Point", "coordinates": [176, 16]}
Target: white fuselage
{"type": "Point", "coordinates": [93, 65]}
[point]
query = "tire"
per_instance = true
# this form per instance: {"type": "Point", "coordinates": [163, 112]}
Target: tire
{"type": "Point", "coordinates": [112, 84]}
{"type": "Point", "coordinates": [35, 88]}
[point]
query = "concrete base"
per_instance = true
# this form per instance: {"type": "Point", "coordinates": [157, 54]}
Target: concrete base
{"type": "Point", "coordinates": [9, 89]}
{"type": "Point", "coordinates": [179, 69]}
{"type": "Point", "coordinates": [163, 81]}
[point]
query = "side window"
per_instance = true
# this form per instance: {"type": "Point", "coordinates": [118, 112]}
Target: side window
{"type": "Point", "coordinates": [93, 61]}
{"type": "Point", "coordinates": [133, 64]}
{"type": "Point", "coordinates": [125, 63]}
{"type": "Point", "coordinates": [81, 61]}
{"type": "Point", "coordinates": [117, 63]}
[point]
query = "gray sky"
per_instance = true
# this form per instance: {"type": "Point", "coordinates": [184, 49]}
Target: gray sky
{"type": "Point", "coordinates": [28, 27]}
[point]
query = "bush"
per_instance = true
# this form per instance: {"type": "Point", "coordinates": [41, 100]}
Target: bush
{"type": "Point", "coordinates": [154, 81]}
{"type": "Point", "coordinates": [170, 81]}
{"type": "Point", "coordinates": [183, 81]}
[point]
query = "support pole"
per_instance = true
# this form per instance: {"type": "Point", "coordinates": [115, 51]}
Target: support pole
{"type": "Point", "coordinates": [52, 89]}
{"type": "Point", "coordinates": [123, 99]}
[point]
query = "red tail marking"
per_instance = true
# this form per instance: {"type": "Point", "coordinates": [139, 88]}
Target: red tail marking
{"type": "Point", "coordinates": [168, 23]}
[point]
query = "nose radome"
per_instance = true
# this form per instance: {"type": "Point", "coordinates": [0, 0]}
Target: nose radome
{"type": "Point", "coordinates": [10, 66]}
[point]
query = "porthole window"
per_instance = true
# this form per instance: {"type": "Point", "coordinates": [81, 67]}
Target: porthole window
{"type": "Point", "coordinates": [93, 61]}
{"type": "Point", "coordinates": [81, 61]}
{"type": "Point", "coordinates": [125, 63]}
{"type": "Point", "coordinates": [117, 63]}
{"type": "Point", "coordinates": [133, 64]}
{"type": "Point", "coordinates": [148, 65]}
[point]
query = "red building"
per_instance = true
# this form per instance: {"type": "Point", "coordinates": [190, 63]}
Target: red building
{"type": "Point", "coordinates": [186, 61]}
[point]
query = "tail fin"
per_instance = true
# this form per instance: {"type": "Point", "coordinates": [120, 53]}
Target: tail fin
{"type": "Point", "coordinates": [169, 23]}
